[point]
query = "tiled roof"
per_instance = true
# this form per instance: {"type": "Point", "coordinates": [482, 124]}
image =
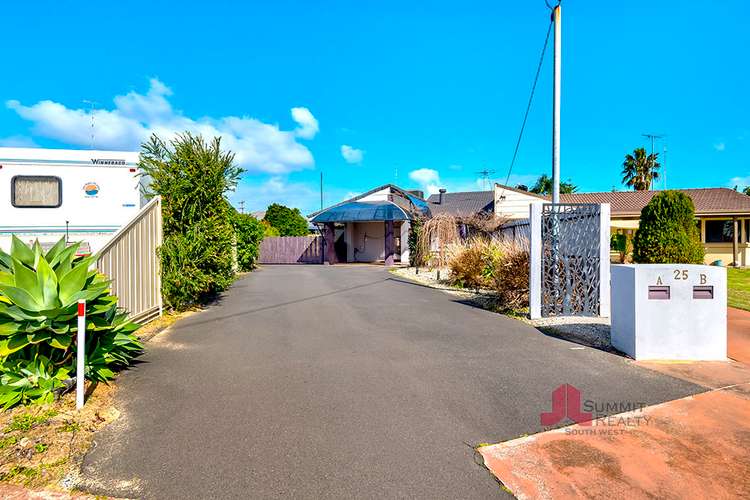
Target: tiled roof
{"type": "Point", "coordinates": [463, 204]}
{"type": "Point", "coordinates": [706, 200]}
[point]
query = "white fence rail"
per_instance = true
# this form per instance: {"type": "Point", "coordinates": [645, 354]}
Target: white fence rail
{"type": "Point", "coordinates": [131, 261]}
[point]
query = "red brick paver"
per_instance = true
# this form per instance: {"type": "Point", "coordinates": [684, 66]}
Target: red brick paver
{"type": "Point", "coordinates": [738, 334]}
{"type": "Point", "coordinates": [695, 447]}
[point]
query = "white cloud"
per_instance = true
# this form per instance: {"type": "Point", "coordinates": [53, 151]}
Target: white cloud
{"type": "Point", "coordinates": [720, 146]}
{"type": "Point", "coordinates": [427, 179]}
{"type": "Point", "coordinates": [259, 146]}
{"type": "Point", "coordinates": [352, 155]}
{"type": "Point", "coordinates": [742, 182]}
{"type": "Point", "coordinates": [258, 193]}
{"type": "Point", "coordinates": [277, 189]}
{"type": "Point", "coordinates": [17, 141]}
{"type": "Point", "coordinates": [308, 125]}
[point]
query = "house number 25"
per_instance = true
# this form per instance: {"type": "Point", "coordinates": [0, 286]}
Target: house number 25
{"type": "Point", "coordinates": [680, 274]}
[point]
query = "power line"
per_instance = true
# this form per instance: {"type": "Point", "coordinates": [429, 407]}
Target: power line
{"type": "Point", "coordinates": [528, 106]}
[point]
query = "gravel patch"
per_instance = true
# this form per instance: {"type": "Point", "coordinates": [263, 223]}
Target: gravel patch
{"type": "Point", "coordinates": [593, 332]}
{"type": "Point", "coordinates": [486, 299]}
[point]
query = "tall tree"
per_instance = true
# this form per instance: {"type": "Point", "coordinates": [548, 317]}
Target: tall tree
{"type": "Point", "coordinates": [639, 170]}
{"type": "Point", "coordinates": [746, 190]}
{"type": "Point", "coordinates": [193, 177]}
{"type": "Point", "coordinates": [543, 185]}
{"type": "Point", "coordinates": [289, 222]}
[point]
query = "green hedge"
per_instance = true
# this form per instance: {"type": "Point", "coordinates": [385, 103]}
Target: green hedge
{"type": "Point", "coordinates": [192, 176]}
{"type": "Point", "coordinates": [250, 232]}
{"type": "Point", "coordinates": [668, 231]}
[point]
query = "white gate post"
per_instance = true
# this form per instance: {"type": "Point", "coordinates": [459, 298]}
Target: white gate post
{"type": "Point", "coordinates": [535, 260]}
{"type": "Point", "coordinates": [604, 280]}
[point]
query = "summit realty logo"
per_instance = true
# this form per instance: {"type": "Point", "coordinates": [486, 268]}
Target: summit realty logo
{"type": "Point", "coordinates": [566, 402]}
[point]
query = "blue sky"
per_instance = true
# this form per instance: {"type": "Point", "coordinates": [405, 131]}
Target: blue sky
{"type": "Point", "coordinates": [424, 94]}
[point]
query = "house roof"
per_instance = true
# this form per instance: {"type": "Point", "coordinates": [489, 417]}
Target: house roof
{"type": "Point", "coordinates": [462, 204]}
{"type": "Point", "coordinates": [361, 211]}
{"type": "Point", "coordinates": [503, 187]}
{"type": "Point", "coordinates": [719, 201]}
{"type": "Point", "coordinates": [398, 207]}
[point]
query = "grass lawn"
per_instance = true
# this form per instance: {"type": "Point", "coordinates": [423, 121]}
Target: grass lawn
{"type": "Point", "coordinates": [739, 288]}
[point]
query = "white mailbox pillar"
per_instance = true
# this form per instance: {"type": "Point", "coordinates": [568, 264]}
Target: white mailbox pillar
{"type": "Point", "coordinates": [669, 311]}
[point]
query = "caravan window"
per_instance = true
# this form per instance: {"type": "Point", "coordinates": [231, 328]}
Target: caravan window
{"type": "Point", "coordinates": [36, 191]}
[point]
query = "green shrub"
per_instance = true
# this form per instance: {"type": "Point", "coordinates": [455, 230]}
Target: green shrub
{"type": "Point", "coordinates": [501, 266]}
{"type": "Point", "coordinates": [510, 276]}
{"type": "Point", "coordinates": [268, 230]}
{"type": "Point", "coordinates": [475, 263]}
{"type": "Point", "coordinates": [289, 222]}
{"type": "Point", "coordinates": [39, 295]}
{"type": "Point", "coordinates": [193, 177]}
{"type": "Point", "coordinates": [250, 233]}
{"type": "Point", "coordinates": [622, 244]}
{"type": "Point", "coordinates": [416, 255]}
{"type": "Point", "coordinates": [668, 232]}
{"type": "Point", "coordinates": [191, 273]}
{"type": "Point", "coordinates": [467, 264]}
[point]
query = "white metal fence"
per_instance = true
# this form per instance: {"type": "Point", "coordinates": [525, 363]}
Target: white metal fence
{"type": "Point", "coordinates": [131, 261]}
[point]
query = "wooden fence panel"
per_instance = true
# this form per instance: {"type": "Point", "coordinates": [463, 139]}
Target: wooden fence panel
{"type": "Point", "coordinates": [131, 261]}
{"type": "Point", "coordinates": [291, 250]}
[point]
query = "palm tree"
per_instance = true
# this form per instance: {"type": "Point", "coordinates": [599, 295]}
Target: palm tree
{"type": "Point", "coordinates": [640, 170]}
{"type": "Point", "coordinates": [543, 185]}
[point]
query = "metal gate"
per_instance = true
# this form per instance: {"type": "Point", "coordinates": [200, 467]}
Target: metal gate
{"type": "Point", "coordinates": [571, 259]}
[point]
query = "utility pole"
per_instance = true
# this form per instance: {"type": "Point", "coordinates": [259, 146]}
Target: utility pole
{"type": "Point", "coordinates": [242, 206]}
{"type": "Point", "coordinates": [653, 138]}
{"type": "Point", "coordinates": [321, 190]}
{"type": "Point", "coordinates": [557, 20]}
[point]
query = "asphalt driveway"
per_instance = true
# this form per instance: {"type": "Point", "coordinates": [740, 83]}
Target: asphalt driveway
{"type": "Point", "coordinates": [341, 382]}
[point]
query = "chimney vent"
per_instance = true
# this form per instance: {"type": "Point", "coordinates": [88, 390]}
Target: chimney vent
{"type": "Point", "coordinates": [440, 196]}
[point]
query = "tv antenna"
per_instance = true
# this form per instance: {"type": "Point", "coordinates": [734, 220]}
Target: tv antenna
{"type": "Point", "coordinates": [653, 138]}
{"type": "Point", "coordinates": [485, 176]}
{"type": "Point", "coordinates": [91, 114]}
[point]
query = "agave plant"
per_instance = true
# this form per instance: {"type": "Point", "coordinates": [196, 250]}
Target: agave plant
{"type": "Point", "coordinates": [39, 293]}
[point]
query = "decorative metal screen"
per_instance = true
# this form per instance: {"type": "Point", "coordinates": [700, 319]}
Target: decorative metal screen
{"type": "Point", "coordinates": [570, 259]}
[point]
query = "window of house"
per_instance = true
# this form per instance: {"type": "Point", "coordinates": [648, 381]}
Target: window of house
{"type": "Point", "coordinates": [719, 231]}
{"type": "Point", "coordinates": [36, 191]}
{"type": "Point", "coordinates": [747, 231]}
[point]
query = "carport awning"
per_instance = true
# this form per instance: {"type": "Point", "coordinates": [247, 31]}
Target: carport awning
{"type": "Point", "coordinates": [361, 211]}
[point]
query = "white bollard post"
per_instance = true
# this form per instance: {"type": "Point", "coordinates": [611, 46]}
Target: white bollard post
{"type": "Point", "coordinates": [80, 354]}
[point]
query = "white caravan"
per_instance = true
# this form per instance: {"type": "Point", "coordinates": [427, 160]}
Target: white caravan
{"type": "Point", "coordinates": [46, 194]}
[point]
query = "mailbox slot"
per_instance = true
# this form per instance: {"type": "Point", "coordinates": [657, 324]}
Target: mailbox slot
{"type": "Point", "coordinates": [658, 292]}
{"type": "Point", "coordinates": [703, 292]}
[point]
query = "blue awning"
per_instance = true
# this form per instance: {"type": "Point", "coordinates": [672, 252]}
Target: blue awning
{"type": "Point", "coordinates": [361, 211]}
